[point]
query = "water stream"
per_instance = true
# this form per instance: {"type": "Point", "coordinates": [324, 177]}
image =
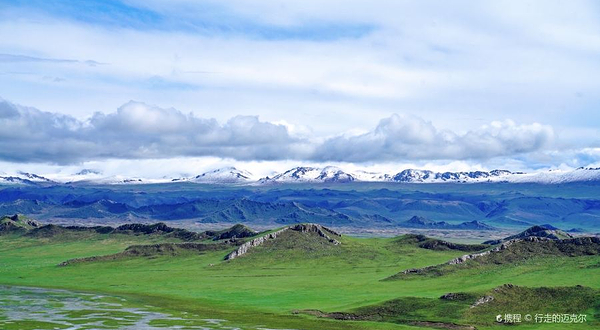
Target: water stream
{"type": "Point", "coordinates": [36, 308]}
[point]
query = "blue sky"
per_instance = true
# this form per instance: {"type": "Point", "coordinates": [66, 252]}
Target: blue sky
{"type": "Point", "coordinates": [465, 85]}
{"type": "Point", "coordinates": [208, 19]}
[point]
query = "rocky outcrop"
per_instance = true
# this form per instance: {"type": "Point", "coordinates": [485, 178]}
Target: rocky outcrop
{"type": "Point", "coordinates": [17, 223]}
{"type": "Point", "coordinates": [304, 228]}
{"type": "Point", "coordinates": [544, 231]}
{"type": "Point", "coordinates": [569, 247]}
{"type": "Point", "coordinates": [463, 258]}
{"type": "Point", "coordinates": [466, 257]}
{"type": "Point", "coordinates": [562, 245]}
{"type": "Point", "coordinates": [488, 298]}
{"type": "Point", "coordinates": [454, 296]}
{"type": "Point", "coordinates": [482, 300]}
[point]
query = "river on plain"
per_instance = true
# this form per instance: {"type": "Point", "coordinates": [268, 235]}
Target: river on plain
{"type": "Point", "coordinates": [36, 308]}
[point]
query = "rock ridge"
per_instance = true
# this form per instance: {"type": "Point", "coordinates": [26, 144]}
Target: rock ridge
{"type": "Point", "coordinates": [504, 246]}
{"type": "Point", "coordinates": [304, 228]}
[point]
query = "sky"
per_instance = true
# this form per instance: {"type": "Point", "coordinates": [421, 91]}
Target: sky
{"type": "Point", "coordinates": [169, 88]}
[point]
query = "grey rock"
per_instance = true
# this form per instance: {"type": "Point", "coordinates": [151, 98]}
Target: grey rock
{"type": "Point", "coordinates": [304, 228]}
{"type": "Point", "coordinates": [482, 300]}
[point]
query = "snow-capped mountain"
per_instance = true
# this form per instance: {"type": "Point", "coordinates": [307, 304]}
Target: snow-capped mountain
{"type": "Point", "coordinates": [310, 174]}
{"type": "Point", "coordinates": [227, 175]}
{"type": "Point", "coordinates": [23, 178]}
{"type": "Point", "coordinates": [335, 174]}
{"type": "Point", "coordinates": [222, 175]}
{"type": "Point", "coordinates": [95, 177]}
{"type": "Point", "coordinates": [11, 179]}
{"type": "Point", "coordinates": [303, 174]}
{"type": "Point", "coordinates": [87, 171]}
{"type": "Point", "coordinates": [116, 180]}
{"type": "Point", "coordinates": [372, 176]}
{"type": "Point", "coordinates": [581, 174]}
{"type": "Point", "coordinates": [34, 177]}
{"type": "Point", "coordinates": [424, 176]}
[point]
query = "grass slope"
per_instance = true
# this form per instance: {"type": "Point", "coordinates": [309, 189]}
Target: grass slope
{"type": "Point", "coordinates": [513, 252]}
{"type": "Point", "coordinates": [458, 310]}
{"type": "Point", "coordinates": [296, 271]}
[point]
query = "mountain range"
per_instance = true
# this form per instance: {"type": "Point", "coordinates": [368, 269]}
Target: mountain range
{"type": "Point", "coordinates": [220, 176]}
{"type": "Point", "coordinates": [316, 175]}
{"type": "Point", "coordinates": [423, 223]}
{"type": "Point", "coordinates": [574, 207]}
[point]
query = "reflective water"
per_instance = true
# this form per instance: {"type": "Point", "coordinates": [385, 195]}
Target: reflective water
{"type": "Point", "coordinates": [36, 308]}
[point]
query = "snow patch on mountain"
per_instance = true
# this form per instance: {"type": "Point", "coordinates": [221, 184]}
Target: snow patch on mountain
{"type": "Point", "coordinates": [581, 174]}
{"type": "Point", "coordinates": [305, 174]}
{"type": "Point", "coordinates": [23, 178]}
{"type": "Point", "coordinates": [425, 176]}
{"type": "Point", "coordinates": [372, 176]}
{"type": "Point", "coordinates": [222, 175]}
{"type": "Point", "coordinates": [335, 174]}
{"type": "Point", "coordinates": [118, 180]}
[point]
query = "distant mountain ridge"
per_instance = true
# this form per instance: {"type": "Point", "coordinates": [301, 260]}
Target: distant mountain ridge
{"type": "Point", "coordinates": [319, 175]}
{"type": "Point", "coordinates": [573, 207]}
{"type": "Point", "coordinates": [310, 174]}
{"type": "Point", "coordinates": [412, 176]}
{"type": "Point", "coordinates": [221, 175]}
{"type": "Point", "coordinates": [332, 174]}
{"type": "Point", "coordinates": [24, 178]}
{"type": "Point", "coordinates": [423, 223]}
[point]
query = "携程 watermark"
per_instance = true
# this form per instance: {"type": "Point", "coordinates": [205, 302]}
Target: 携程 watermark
{"type": "Point", "coordinates": [542, 318]}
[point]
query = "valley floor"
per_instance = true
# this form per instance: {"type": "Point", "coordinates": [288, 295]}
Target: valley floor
{"type": "Point", "coordinates": [277, 285]}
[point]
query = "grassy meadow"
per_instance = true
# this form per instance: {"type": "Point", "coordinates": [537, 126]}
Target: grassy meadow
{"type": "Point", "coordinates": [282, 283]}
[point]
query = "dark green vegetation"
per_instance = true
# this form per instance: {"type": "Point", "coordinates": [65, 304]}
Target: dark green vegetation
{"type": "Point", "coordinates": [299, 279]}
{"type": "Point", "coordinates": [539, 300]}
{"type": "Point", "coordinates": [459, 310]}
{"type": "Point", "coordinates": [351, 205]}
{"type": "Point", "coordinates": [440, 245]}
{"type": "Point", "coordinates": [410, 310]}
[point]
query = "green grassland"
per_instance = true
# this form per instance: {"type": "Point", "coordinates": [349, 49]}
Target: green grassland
{"type": "Point", "coordinates": [297, 280]}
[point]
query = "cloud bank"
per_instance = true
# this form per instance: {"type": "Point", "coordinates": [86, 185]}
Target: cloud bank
{"type": "Point", "coordinates": [408, 137]}
{"type": "Point", "coordinates": [141, 131]}
{"type": "Point", "coordinates": [136, 130]}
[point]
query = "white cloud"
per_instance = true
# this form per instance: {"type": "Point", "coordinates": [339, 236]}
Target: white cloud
{"type": "Point", "coordinates": [401, 137]}
{"type": "Point", "coordinates": [136, 131]}
{"type": "Point", "coordinates": [140, 131]}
